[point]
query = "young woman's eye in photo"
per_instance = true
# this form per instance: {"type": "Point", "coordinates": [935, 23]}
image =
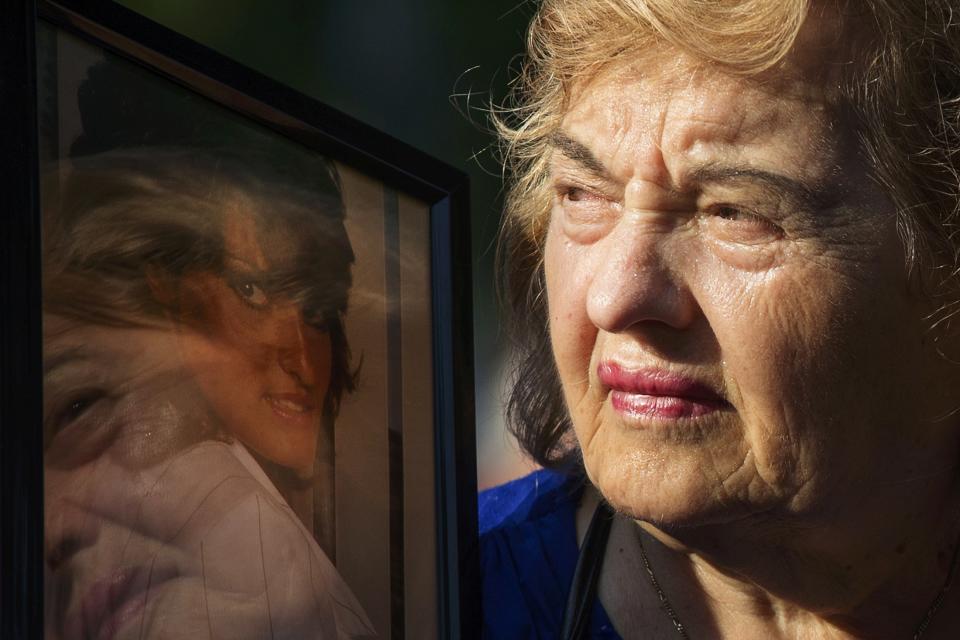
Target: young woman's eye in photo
{"type": "Point", "coordinates": [248, 290]}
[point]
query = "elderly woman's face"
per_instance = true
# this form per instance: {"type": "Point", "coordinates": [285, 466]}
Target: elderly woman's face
{"type": "Point", "coordinates": [729, 307]}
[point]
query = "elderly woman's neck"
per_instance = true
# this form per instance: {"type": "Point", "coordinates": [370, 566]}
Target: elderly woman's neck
{"type": "Point", "coordinates": [773, 579]}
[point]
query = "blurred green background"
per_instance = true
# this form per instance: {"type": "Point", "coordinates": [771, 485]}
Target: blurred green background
{"type": "Point", "coordinates": [423, 71]}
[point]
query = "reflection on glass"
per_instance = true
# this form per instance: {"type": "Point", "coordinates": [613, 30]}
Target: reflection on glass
{"type": "Point", "coordinates": [195, 359]}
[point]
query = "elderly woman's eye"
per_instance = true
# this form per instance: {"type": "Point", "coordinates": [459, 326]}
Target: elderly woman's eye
{"type": "Point", "coordinates": [731, 212]}
{"type": "Point", "coordinates": [737, 222]}
{"type": "Point", "coordinates": [586, 213]}
{"type": "Point", "coordinates": [577, 194]}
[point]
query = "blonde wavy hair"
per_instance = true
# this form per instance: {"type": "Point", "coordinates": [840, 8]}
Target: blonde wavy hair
{"type": "Point", "coordinates": [900, 92]}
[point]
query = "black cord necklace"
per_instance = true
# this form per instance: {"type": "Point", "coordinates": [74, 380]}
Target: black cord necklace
{"type": "Point", "coordinates": [583, 591]}
{"type": "Point", "coordinates": [586, 576]}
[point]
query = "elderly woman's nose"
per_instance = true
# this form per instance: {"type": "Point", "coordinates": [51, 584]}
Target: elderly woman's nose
{"type": "Point", "coordinates": [638, 278]}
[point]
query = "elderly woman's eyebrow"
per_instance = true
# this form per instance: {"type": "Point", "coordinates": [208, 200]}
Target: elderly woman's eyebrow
{"type": "Point", "coordinates": [784, 186]}
{"type": "Point", "coordinates": [579, 153]}
{"type": "Point", "coordinates": [709, 173]}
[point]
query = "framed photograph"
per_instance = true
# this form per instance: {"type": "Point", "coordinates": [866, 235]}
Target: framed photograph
{"type": "Point", "coordinates": [239, 322]}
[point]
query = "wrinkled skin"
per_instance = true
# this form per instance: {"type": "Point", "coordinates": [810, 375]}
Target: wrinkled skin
{"type": "Point", "coordinates": [801, 316]}
{"type": "Point", "coordinates": [726, 231]}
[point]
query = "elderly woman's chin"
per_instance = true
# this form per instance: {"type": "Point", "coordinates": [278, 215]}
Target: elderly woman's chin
{"type": "Point", "coordinates": [657, 474]}
{"type": "Point", "coordinates": [813, 460]}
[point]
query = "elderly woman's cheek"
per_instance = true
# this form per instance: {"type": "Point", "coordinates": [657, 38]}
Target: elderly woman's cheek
{"type": "Point", "coordinates": [807, 348]}
{"type": "Point", "coordinates": [771, 327]}
{"type": "Point", "coordinates": [568, 269]}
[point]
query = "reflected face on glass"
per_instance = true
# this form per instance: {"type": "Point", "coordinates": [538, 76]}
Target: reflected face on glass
{"type": "Point", "coordinates": [262, 366]}
{"type": "Point", "coordinates": [117, 391]}
{"type": "Point", "coordinates": [118, 501]}
{"type": "Point", "coordinates": [147, 511]}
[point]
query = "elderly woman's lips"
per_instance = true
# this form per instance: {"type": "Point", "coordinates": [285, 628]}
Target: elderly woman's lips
{"type": "Point", "coordinates": [656, 393]}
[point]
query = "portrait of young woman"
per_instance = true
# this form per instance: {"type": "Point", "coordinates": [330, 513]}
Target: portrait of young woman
{"type": "Point", "coordinates": [194, 361]}
{"type": "Point", "coordinates": [243, 420]}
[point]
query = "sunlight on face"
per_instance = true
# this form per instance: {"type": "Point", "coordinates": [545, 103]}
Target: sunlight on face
{"type": "Point", "coordinates": [729, 308]}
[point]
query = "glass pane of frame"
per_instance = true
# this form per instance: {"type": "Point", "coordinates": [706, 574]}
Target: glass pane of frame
{"type": "Point", "coordinates": [238, 372]}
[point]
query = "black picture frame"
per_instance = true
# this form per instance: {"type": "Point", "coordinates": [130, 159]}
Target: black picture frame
{"type": "Point", "coordinates": [290, 114]}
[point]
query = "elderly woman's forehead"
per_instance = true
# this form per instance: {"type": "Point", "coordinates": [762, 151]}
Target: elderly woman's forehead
{"type": "Point", "coordinates": [674, 97]}
{"type": "Point", "coordinates": [820, 57]}
{"type": "Point", "coordinates": [807, 74]}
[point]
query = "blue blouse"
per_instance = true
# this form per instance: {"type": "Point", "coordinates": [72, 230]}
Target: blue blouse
{"type": "Point", "coordinates": [528, 553]}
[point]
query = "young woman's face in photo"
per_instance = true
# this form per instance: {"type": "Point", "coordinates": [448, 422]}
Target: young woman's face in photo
{"type": "Point", "coordinates": [262, 366]}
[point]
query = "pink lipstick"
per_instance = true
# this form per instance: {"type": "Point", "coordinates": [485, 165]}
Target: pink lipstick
{"type": "Point", "coordinates": [656, 393]}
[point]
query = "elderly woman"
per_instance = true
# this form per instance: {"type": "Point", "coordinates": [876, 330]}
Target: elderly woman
{"type": "Point", "coordinates": [731, 245]}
